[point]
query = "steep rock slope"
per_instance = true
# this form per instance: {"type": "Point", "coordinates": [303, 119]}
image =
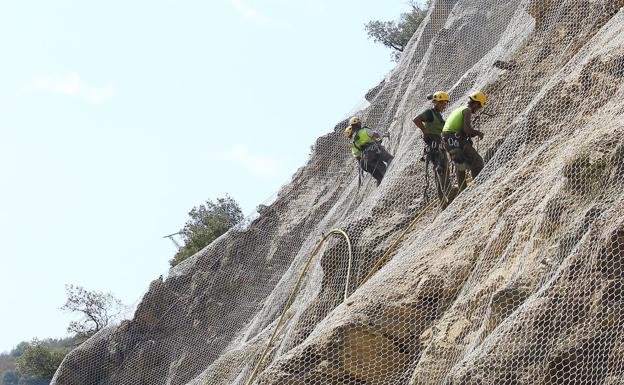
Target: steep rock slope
{"type": "Point", "coordinates": [518, 281]}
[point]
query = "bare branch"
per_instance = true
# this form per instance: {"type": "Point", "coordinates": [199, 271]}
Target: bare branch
{"type": "Point", "coordinates": [98, 309]}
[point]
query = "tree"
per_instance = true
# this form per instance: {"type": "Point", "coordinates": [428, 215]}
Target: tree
{"type": "Point", "coordinates": [396, 34]}
{"type": "Point", "coordinates": [19, 349]}
{"type": "Point", "coordinates": [8, 374]}
{"type": "Point", "coordinates": [97, 309]}
{"type": "Point", "coordinates": [207, 222]}
{"type": "Point", "coordinates": [10, 377]}
{"type": "Point", "coordinates": [39, 361]}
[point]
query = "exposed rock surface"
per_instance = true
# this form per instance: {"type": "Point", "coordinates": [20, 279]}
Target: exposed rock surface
{"type": "Point", "coordinates": [518, 281]}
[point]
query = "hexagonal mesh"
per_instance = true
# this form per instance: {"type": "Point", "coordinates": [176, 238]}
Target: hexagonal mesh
{"type": "Point", "coordinates": [518, 281]}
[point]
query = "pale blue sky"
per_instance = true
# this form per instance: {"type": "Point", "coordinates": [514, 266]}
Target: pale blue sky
{"type": "Point", "coordinates": [117, 117]}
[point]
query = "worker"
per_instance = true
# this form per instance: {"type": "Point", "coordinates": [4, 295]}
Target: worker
{"type": "Point", "coordinates": [457, 134]}
{"type": "Point", "coordinates": [366, 147]}
{"type": "Point", "coordinates": [431, 124]}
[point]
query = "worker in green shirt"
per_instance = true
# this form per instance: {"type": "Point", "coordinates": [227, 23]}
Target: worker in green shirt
{"type": "Point", "coordinates": [367, 149]}
{"type": "Point", "coordinates": [431, 124]}
{"type": "Point", "coordinates": [457, 134]}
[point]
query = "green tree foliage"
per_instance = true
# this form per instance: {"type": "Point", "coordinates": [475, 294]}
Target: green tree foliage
{"type": "Point", "coordinates": [9, 374]}
{"type": "Point", "coordinates": [96, 308]}
{"type": "Point", "coordinates": [9, 377]}
{"type": "Point", "coordinates": [207, 222]}
{"type": "Point", "coordinates": [396, 34]}
{"type": "Point", "coordinates": [19, 349]}
{"type": "Point", "coordinates": [7, 361]}
{"type": "Point", "coordinates": [39, 361]}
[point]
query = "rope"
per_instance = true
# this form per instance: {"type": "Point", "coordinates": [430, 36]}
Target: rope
{"type": "Point", "coordinates": [447, 188]}
{"type": "Point", "coordinates": [380, 262]}
{"type": "Point", "coordinates": [426, 192]}
{"type": "Point", "coordinates": [409, 228]}
{"type": "Point", "coordinates": [293, 292]}
{"type": "Point", "coordinates": [436, 161]}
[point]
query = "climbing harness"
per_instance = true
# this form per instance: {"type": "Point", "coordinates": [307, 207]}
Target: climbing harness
{"type": "Point", "coordinates": [366, 155]}
{"type": "Point", "coordinates": [372, 148]}
{"type": "Point", "coordinates": [433, 156]}
{"type": "Point", "coordinates": [440, 166]}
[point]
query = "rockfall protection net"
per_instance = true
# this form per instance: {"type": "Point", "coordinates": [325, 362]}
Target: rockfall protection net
{"type": "Point", "coordinates": [518, 281]}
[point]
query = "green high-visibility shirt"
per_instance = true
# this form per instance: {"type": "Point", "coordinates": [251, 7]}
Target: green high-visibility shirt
{"type": "Point", "coordinates": [361, 141]}
{"type": "Point", "coordinates": [433, 121]}
{"type": "Point", "coordinates": [455, 121]}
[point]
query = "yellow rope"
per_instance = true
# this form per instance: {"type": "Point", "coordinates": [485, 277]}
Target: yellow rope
{"type": "Point", "coordinates": [380, 262]}
{"type": "Point", "coordinates": [294, 292]}
{"type": "Point", "coordinates": [372, 271]}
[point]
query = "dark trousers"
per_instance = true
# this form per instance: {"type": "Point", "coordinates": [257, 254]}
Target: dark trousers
{"type": "Point", "coordinates": [376, 161]}
{"type": "Point", "coordinates": [465, 157]}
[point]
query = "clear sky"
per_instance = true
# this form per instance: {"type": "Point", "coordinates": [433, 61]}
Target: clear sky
{"type": "Point", "coordinates": [117, 117]}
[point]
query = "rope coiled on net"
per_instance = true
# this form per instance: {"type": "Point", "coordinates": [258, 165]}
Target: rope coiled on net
{"type": "Point", "coordinates": [294, 291]}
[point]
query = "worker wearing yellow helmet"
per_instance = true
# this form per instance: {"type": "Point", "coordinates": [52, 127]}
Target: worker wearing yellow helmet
{"type": "Point", "coordinates": [431, 124]}
{"type": "Point", "coordinates": [456, 135]}
{"type": "Point", "coordinates": [367, 149]}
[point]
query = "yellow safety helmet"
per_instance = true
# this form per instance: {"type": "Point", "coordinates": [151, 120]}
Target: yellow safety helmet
{"type": "Point", "coordinates": [478, 97]}
{"type": "Point", "coordinates": [354, 120]}
{"type": "Point", "coordinates": [440, 96]}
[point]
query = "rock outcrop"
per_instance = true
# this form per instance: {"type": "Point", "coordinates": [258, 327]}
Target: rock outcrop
{"type": "Point", "coordinates": [518, 281]}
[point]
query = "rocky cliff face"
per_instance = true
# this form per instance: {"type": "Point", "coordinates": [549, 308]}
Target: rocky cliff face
{"type": "Point", "coordinates": [518, 281]}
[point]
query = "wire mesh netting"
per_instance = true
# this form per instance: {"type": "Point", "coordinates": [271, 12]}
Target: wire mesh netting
{"type": "Point", "coordinates": [519, 280]}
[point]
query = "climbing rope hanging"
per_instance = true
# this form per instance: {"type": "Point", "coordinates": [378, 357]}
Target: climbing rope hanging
{"type": "Point", "coordinates": [294, 291]}
{"type": "Point", "coordinates": [381, 261]}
